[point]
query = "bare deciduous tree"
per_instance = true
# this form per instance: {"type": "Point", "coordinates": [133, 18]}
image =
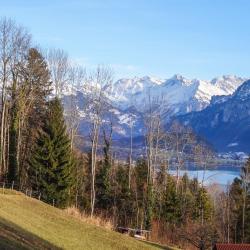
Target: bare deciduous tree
{"type": "Point", "coordinates": [182, 140]}
{"type": "Point", "coordinates": [99, 80]}
{"type": "Point", "coordinates": [59, 67]}
{"type": "Point", "coordinates": [14, 45]}
{"type": "Point", "coordinates": [203, 156]}
{"type": "Point", "coordinates": [154, 114]}
{"type": "Point", "coordinates": [76, 80]}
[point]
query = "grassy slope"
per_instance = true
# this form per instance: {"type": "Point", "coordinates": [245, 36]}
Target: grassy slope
{"type": "Point", "coordinates": [26, 223]}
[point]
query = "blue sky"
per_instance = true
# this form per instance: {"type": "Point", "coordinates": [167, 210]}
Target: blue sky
{"type": "Point", "coordinates": [196, 38]}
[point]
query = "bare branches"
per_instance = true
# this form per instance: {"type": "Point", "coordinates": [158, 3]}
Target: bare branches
{"type": "Point", "coordinates": [58, 64]}
{"type": "Point", "coordinates": [182, 141]}
{"type": "Point", "coordinates": [14, 44]}
{"type": "Point", "coordinates": [154, 115]}
{"type": "Point", "coordinates": [100, 80]}
{"type": "Point", "coordinates": [76, 80]}
{"type": "Point", "coordinates": [203, 155]}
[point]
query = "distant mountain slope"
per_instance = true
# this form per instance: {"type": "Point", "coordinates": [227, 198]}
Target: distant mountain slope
{"type": "Point", "coordinates": [26, 223]}
{"type": "Point", "coordinates": [225, 122]}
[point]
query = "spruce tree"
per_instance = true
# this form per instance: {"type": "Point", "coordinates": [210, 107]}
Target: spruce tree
{"type": "Point", "coordinates": [236, 205]}
{"type": "Point", "coordinates": [125, 199]}
{"type": "Point", "coordinates": [144, 192]}
{"type": "Point", "coordinates": [103, 185]}
{"type": "Point", "coordinates": [171, 205]}
{"type": "Point", "coordinates": [52, 163]}
{"type": "Point", "coordinates": [245, 178]}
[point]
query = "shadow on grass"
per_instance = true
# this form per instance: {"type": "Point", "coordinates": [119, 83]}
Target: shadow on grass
{"type": "Point", "coordinates": [14, 237]}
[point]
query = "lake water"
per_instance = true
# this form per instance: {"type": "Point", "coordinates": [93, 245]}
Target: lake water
{"type": "Point", "coordinates": [221, 175]}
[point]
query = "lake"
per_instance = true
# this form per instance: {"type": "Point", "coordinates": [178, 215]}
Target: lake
{"type": "Point", "coordinates": [221, 175]}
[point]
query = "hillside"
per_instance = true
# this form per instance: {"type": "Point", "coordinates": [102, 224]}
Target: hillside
{"type": "Point", "coordinates": [26, 223]}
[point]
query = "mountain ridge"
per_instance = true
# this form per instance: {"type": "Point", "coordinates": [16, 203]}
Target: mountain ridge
{"type": "Point", "coordinates": [183, 95]}
{"type": "Point", "coordinates": [127, 100]}
{"type": "Point", "coordinates": [225, 122]}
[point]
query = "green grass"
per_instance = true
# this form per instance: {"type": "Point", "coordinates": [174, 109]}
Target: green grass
{"type": "Point", "coordinates": [26, 223]}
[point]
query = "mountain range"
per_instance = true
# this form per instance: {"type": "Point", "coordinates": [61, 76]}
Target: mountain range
{"type": "Point", "coordinates": [181, 94]}
{"type": "Point", "coordinates": [211, 108]}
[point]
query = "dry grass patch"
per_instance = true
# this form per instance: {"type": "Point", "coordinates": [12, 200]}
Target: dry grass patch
{"type": "Point", "coordinates": [95, 220]}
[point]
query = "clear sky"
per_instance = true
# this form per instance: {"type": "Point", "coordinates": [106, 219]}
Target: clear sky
{"type": "Point", "coordinates": [196, 38]}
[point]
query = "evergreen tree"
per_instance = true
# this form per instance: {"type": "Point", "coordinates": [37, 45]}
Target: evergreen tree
{"type": "Point", "coordinates": [171, 206]}
{"type": "Point", "coordinates": [142, 192]}
{"type": "Point", "coordinates": [124, 199]}
{"type": "Point", "coordinates": [203, 205]}
{"type": "Point", "coordinates": [187, 199]}
{"type": "Point", "coordinates": [245, 178]}
{"type": "Point", "coordinates": [13, 134]}
{"type": "Point", "coordinates": [29, 92]}
{"type": "Point", "coordinates": [81, 177]}
{"type": "Point", "coordinates": [103, 185]}
{"type": "Point", "coordinates": [149, 207]}
{"type": "Point", "coordinates": [236, 204]}
{"type": "Point", "coordinates": [52, 163]}
{"type": "Point", "coordinates": [240, 205]}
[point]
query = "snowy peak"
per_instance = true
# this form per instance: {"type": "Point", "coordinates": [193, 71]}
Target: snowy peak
{"type": "Point", "coordinates": [228, 83]}
{"type": "Point", "coordinates": [136, 84]}
{"type": "Point", "coordinates": [124, 92]}
{"type": "Point", "coordinates": [178, 80]}
{"type": "Point", "coordinates": [205, 91]}
{"type": "Point", "coordinates": [182, 94]}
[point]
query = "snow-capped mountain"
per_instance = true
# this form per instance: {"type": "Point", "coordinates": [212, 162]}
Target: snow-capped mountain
{"type": "Point", "coordinates": [228, 83]}
{"type": "Point", "coordinates": [131, 92]}
{"type": "Point", "coordinates": [181, 94]}
{"type": "Point", "coordinates": [225, 123]}
{"type": "Point", "coordinates": [127, 98]}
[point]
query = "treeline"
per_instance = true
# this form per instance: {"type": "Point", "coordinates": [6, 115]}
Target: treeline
{"type": "Point", "coordinates": [39, 144]}
{"type": "Point", "coordinates": [165, 207]}
{"type": "Point", "coordinates": [233, 209]}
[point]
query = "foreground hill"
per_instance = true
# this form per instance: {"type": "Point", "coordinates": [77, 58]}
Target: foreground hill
{"type": "Point", "coordinates": [26, 223]}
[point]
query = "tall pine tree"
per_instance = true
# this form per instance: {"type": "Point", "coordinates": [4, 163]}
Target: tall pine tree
{"type": "Point", "coordinates": [52, 164]}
